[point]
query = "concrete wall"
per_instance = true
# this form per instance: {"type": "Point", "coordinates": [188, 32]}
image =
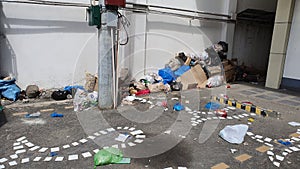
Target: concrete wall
{"type": "Point", "coordinates": [292, 68]}
{"type": "Point", "coordinates": [53, 46]}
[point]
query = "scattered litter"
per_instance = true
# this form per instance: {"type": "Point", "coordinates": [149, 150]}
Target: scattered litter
{"type": "Point", "coordinates": [84, 100]}
{"type": "Point", "coordinates": [233, 151]}
{"type": "Point", "coordinates": [73, 157]}
{"type": "Point", "coordinates": [178, 107]}
{"type": "Point", "coordinates": [294, 124]}
{"type": "Point", "coordinates": [86, 154]}
{"type": "Point", "coordinates": [107, 156]}
{"type": "Point", "coordinates": [52, 154]}
{"type": "Point", "coordinates": [48, 159]}
{"type": "Point", "coordinates": [55, 114]}
{"type": "Point", "coordinates": [33, 115]}
{"type": "Point", "coordinates": [286, 143]}
{"type": "Point", "coordinates": [212, 106]}
{"type": "Point", "coordinates": [37, 159]}
{"type": "Point", "coordinates": [234, 134]}
{"type": "Point", "coordinates": [59, 159]}
{"type": "Point", "coordinates": [122, 137]}
{"type": "Point", "coordinates": [251, 120]}
{"type": "Point", "coordinates": [25, 160]}
{"type": "Point", "coordinates": [12, 163]}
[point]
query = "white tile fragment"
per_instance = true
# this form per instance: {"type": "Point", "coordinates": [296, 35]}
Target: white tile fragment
{"type": "Point", "coordinates": [288, 150]}
{"type": "Point", "coordinates": [271, 158]}
{"type": "Point", "coordinates": [86, 154]}
{"type": "Point", "coordinates": [14, 156]}
{"type": "Point", "coordinates": [34, 148]}
{"type": "Point", "coordinates": [208, 118]}
{"type": "Point", "coordinates": [241, 116]}
{"type": "Point", "coordinates": [2, 166]}
{"type": "Point", "coordinates": [259, 140]}
{"type": "Point", "coordinates": [268, 144]}
{"type": "Point", "coordinates": [236, 117]}
{"type": "Point", "coordinates": [29, 144]}
{"type": "Point", "coordinates": [17, 144]}
{"type": "Point", "coordinates": [20, 151]}
{"type": "Point", "coordinates": [131, 144]}
{"type": "Point", "coordinates": [97, 134]}
{"type": "Point", "coordinates": [138, 141]}
{"type": "Point", "coordinates": [294, 148]}
{"type": "Point", "coordinates": [115, 146]}
{"type": "Point", "coordinates": [73, 157]}
{"type": "Point", "coordinates": [91, 137]}
{"type": "Point", "coordinates": [277, 164]}
{"type": "Point", "coordinates": [194, 124]}
{"type": "Point", "coordinates": [48, 159]}
{"type": "Point", "coordinates": [110, 129]}
{"type": "Point", "coordinates": [182, 168]}
{"type": "Point", "coordinates": [270, 153]}
{"type": "Point", "coordinates": [252, 114]}
{"type": "Point", "coordinates": [43, 149]}
{"type": "Point", "coordinates": [245, 114]}
{"type": "Point", "coordinates": [12, 163]}
{"type": "Point", "coordinates": [119, 128]}
{"type": "Point", "coordinates": [66, 146]}
{"type": "Point", "coordinates": [37, 159]}
{"type": "Point", "coordinates": [168, 168]}
{"type": "Point", "coordinates": [295, 138]}
{"type": "Point", "coordinates": [25, 160]}
{"type": "Point", "coordinates": [103, 132]}
{"type": "Point", "coordinates": [267, 139]}
{"type": "Point", "coordinates": [24, 141]}
{"type": "Point", "coordinates": [105, 147]}
{"type": "Point", "coordinates": [140, 136]}
{"type": "Point", "coordinates": [75, 144]}
{"type": "Point", "coordinates": [21, 138]}
{"type": "Point", "coordinates": [285, 153]}
{"type": "Point", "coordinates": [18, 147]}
{"type": "Point", "coordinates": [259, 136]}
{"type": "Point", "coordinates": [123, 145]}
{"type": "Point", "coordinates": [2, 160]}
{"type": "Point", "coordinates": [83, 141]}
{"type": "Point", "coordinates": [280, 158]}
{"type": "Point", "coordinates": [59, 159]}
{"type": "Point", "coordinates": [54, 149]}
{"type": "Point", "coordinates": [137, 132]}
{"type": "Point", "coordinates": [229, 117]}
{"type": "Point", "coordinates": [126, 128]}
{"type": "Point", "coordinates": [131, 129]}
{"type": "Point", "coordinates": [96, 151]}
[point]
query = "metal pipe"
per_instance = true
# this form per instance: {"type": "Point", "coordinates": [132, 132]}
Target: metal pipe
{"type": "Point", "coordinates": [182, 10]}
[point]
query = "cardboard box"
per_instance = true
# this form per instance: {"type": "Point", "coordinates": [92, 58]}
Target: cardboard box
{"type": "Point", "coordinates": [193, 78]}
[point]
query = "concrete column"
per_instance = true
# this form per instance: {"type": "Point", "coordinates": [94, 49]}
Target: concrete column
{"type": "Point", "coordinates": [281, 33]}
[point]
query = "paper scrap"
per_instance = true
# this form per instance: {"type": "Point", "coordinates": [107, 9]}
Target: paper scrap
{"type": "Point", "coordinates": [277, 164]}
{"type": "Point", "coordinates": [267, 139]}
{"type": "Point", "coordinates": [270, 153]}
{"type": "Point", "coordinates": [103, 132]}
{"type": "Point", "coordinates": [17, 144]}
{"type": "Point", "coordinates": [280, 158]}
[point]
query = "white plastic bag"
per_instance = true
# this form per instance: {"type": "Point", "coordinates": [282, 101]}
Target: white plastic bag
{"type": "Point", "coordinates": [234, 134]}
{"type": "Point", "coordinates": [215, 81]}
{"type": "Point", "coordinates": [84, 100]}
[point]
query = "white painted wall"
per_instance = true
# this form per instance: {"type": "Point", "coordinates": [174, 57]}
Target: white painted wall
{"type": "Point", "coordinates": [266, 5]}
{"type": "Point", "coordinates": [46, 45]}
{"type": "Point", "coordinates": [292, 68]}
{"type": "Point", "coordinates": [53, 46]}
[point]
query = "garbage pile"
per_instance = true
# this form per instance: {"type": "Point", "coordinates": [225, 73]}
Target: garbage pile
{"type": "Point", "coordinates": [186, 71]}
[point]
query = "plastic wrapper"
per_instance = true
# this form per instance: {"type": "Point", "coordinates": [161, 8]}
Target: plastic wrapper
{"type": "Point", "coordinates": [107, 156]}
{"type": "Point", "coordinates": [84, 100]}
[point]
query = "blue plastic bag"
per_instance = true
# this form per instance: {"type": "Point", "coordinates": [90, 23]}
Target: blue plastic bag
{"type": "Point", "coordinates": [180, 71]}
{"type": "Point", "coordinates": [178, 107]}
{"type": "Point", "coordinates": [69, 88]}
{"type": "Point", "coordinates": [9, 89]}
{"type": "Point", "coordinates": [212, 106]}
{"type": "Point", "coordinates": [167, 74]}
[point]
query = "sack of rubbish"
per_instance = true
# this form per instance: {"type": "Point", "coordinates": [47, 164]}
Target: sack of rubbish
{"type": "Point", "coordinates": [107, 156]}
{"type": "Point", "coordinates": [234, 134]}
{"type": "Point", "coordinates": [32, 91]}
{"type": "Point", "coordinates": [60, 95]}
{"type": "Point", "coordinates": [84, 100]}
{"type": "Point", "coordinates": [9, 89]}
{"type": "Point", "coordinates": [215, 81]}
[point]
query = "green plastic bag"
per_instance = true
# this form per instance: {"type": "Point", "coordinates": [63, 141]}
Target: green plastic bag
{"type": "Point", "coordinates": [107, 156]}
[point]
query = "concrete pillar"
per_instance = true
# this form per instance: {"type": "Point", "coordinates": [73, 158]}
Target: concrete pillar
{"type": "Point", "coordinates": [281, 33]}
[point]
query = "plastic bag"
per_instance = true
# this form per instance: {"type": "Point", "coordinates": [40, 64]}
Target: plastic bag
{"type": "Point", "coordinates": [107, 156]}
{"type": "Point", "coordinates": [182, 70]}
{"type": "Point", "coordinates": [84, 100]}
{"type": "Point", "coordinates": [9, 89]}
{"type": "Point", "coordinates": [234, 134]}
{"type": "Point", "coordinates": [167, 74]}
{"type": "Point", "coordinates": [215, 81]}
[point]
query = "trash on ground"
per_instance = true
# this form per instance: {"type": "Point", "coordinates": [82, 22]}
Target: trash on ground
{"type": "Point", "coordinates": [107, 156]}
{"type": "Point", "coordinates": [122, 137]}
{"type": "Point", "coordinates": [32, 91]}
{"type": "Point", "coordinates": [251, 120]}
{"type": "Point", "coordinates": [215, 81]}
{"type": "Point", "coordinates": [84, 100]}
{"type": "Point", "coordinates": [72, 89]}
{"type": "Point", "coordinates": [294, 124]}
{"type": "Point", "coordinates": [91, 82]}
{"type": "Point", "coordinates": [234, 134]}
{"type": "Point", "coordinates": [178, 107]}
{"type": "Point", "coordinates": [52, 154]}
{"type": "Point", "coordinates": [283, 142]}
{"type": "Point", "coordinates": [221, 113]}
{"type": "Point", "coordinates": [33, 115]}
{"type": "Point", "coordinates": [233, 151]}
{"type": "Point", "coordinates": [9, 90]}
{"type": "Point", "coordinates": [60, 95]}
{"type": "Point", "coordinates": [212, 106]}
{"type": "Point", "coordinates": [55, 114]}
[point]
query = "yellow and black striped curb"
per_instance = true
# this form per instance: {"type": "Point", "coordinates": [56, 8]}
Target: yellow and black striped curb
{"type": "Point", "coordinates": [251, 108]}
